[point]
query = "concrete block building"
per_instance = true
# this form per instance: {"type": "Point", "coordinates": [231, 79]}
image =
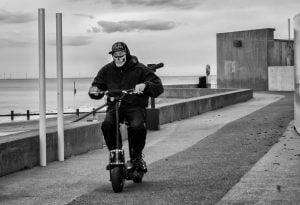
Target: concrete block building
{"type": "Point", "coordinates": [243, 58]}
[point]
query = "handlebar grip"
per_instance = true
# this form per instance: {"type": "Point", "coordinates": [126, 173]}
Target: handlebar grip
{"type": "Point", "coordinates": [97, 93]}
{"type": "Point", "coordinates": [94, 93]}
{"type": "Point", "coordinates": [154, 67]}
{"type": "Point", "coordinates": [160, 65]}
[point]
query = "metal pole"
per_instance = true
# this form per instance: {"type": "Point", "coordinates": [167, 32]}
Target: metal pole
{"type": "Point", "coordinates": [289, 27]}
{"type": "Point", "coordinates": [11, 115]}
{"type": "Point", "coordinates": [289, 54]}
{"type": "Point", "coordinates": [42, 87]}
{"type": "Point", "coordinates": [28, 114]}
{"type": "Point", "coordinates": [60, 103]}
{"type": "Point", "coordinates": [94, 113]}
{"type": "Point", "coordinates": [297, 72]}
{"type": "Point", "coordinates": [77, 112]}
{"type": "Point", "coordinates": [74, 88]}
{"type": "Point", "coordinates": [117, 127]}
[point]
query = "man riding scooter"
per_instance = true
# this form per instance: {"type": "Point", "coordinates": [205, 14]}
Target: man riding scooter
{"type": "Point", "coordinates": [123, 73]}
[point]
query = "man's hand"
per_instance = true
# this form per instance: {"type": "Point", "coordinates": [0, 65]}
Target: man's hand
{"type": "Point", "coordinates": [95, 93]}
{"type": "Point", "coordinates": [139, 88]}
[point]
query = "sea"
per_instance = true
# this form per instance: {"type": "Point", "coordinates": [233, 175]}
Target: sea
{"type": "Point", "coordinates": [20, 95]}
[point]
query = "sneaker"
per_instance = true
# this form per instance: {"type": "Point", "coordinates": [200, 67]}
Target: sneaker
{"type": "Point", "coordinates": [139, 163]}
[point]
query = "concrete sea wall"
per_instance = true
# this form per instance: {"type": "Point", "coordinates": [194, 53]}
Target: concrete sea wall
{"type": "Point", "coordinates": [197, 105]}
{"type": "Point", "coordinates": [190, 92]}
{"type": "Point", "coordinates": [21, 151]}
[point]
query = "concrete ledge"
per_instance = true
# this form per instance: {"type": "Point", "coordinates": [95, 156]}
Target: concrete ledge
{"type": "Point", "coordinates": [182, 86]}
{"type": "Point", "coordinates": [21, 151]}
{"type": "Point", "coordinates": [171, 92]}
{"type": "Point", "coordinates": [197, 105]}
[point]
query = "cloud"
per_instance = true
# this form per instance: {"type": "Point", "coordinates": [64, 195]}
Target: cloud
{"type": "Point", "coordinates": [84, 15]}
{"type": "Point", "coordinates": [73, 41]}
{"type": "Point", "coordinates": [7, 17]}
{"type": "Point", "coordinates": [180, 4]}
{"type": "Point", "coordinates": [128, 26]}
{"type": "Point", "coordinates": [6, 42]}
{"type": "Point", "coordinates": [94, 29]}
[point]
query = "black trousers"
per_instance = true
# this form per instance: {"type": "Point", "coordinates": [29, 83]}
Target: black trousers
{"type": "Point", "coordinates": [135, 117]}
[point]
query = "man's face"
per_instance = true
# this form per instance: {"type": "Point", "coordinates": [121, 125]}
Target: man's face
{"type": "Point", "coordinates": [119, 58]}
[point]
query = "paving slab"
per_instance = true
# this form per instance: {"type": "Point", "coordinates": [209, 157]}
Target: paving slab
{"type": "Point", "coordinates": [274, 179]}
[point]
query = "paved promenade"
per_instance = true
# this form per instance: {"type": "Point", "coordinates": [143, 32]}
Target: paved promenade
{"type": "Point", "coordinates": [246, 153]}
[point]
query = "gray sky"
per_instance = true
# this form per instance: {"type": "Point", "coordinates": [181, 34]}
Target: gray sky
{"type": "Point", "coordinates": [180, 33]}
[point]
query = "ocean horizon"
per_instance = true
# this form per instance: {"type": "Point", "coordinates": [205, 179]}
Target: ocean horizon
{"type": "Point", "coordinates": [20, 95]}
{"type": "Point", "coordinates": [36, 78]}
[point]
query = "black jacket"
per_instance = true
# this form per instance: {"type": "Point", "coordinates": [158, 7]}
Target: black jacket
{"type": "Point", "coordinates": [132, 73]}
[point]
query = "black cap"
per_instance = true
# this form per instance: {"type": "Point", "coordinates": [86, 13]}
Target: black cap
{"type": "Point", "coordinates": [118, 46]}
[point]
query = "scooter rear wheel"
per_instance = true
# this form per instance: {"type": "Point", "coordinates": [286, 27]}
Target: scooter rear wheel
{"type": "Point", "coordinates": [117, 179]}
{"type": "Point", "coordinates": [138, 177]}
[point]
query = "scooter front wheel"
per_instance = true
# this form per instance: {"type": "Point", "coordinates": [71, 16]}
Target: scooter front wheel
{"type": "Point", "coordinates": [117, 179]}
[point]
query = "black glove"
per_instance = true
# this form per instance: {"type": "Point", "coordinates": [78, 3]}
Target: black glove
{"type": "Point", "coordinates": [95, 93]}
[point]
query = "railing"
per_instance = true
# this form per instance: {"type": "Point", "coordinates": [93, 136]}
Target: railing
{"type": "Point", "coordinates": [12, 114]}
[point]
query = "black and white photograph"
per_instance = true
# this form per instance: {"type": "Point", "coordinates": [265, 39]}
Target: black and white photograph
{"type": "Point", "coordinates": [153, 102]}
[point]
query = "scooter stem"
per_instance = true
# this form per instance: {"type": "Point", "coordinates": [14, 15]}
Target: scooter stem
{"type": "Point", "coordinates": [117, 125]}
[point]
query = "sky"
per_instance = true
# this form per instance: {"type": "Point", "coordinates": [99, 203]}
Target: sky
{"type": "Point", "coordinates": [179, 33]}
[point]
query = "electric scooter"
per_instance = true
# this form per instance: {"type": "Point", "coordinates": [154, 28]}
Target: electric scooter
{"type": "Point", "coordinates": [119, 169]}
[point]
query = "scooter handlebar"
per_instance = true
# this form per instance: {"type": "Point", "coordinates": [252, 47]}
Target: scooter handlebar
{"type": "Point", "coordinates": [118, 92]}
{"type": "Point", "coordinates": [112, 93]}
